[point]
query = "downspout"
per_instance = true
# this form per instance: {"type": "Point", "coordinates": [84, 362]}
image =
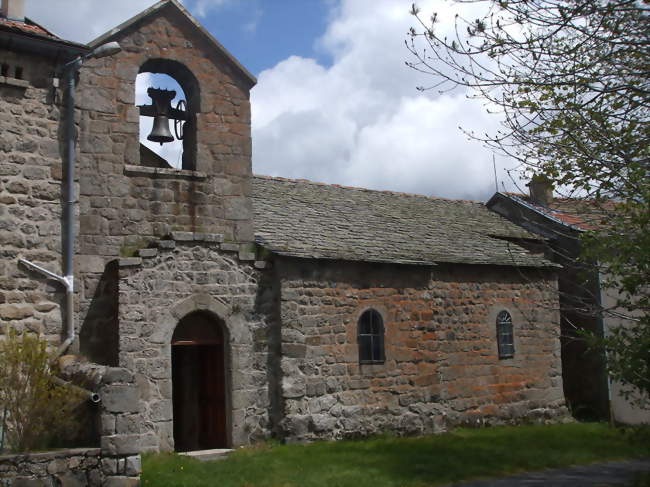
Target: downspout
{"type": "Point", "coordinates": [600, 323]}
{"type": "Point", "coordinates": [69, 300]}
{"type": "Point", "coordinates": [90, 395]}
{"type": "Point", "coordinates": [68, 210]}
{"type": "Point", "coordinates": [70, 70]}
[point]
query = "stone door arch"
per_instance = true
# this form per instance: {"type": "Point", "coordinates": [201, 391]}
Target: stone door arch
{"type": "Point", "coordinates": [200, 393]}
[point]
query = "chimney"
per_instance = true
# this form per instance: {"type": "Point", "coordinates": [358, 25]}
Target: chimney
{"type": "Point", "coordinates": [541, 190]}
{"type": "Point", "coordinates": [14, 9]}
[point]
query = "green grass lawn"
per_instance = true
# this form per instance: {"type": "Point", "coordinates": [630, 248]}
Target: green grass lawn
{"type": "Point", "coordinates": [403, 462]}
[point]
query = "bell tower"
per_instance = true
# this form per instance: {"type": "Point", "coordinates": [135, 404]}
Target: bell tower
{"type": "Point", "coordinates": [129, 197]}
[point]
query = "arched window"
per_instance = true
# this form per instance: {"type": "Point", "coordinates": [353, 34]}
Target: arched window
{"type": "Point", "coordinates": [505, 337]}
{"type": "Point", "coordinates": [178, 84]}
{"type": "Point", "coordinates": [171, 152]}
{"type": "Point", "coordinates": [370, 336]}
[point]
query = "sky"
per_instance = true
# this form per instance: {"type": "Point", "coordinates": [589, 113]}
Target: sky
{"type": "Point", "coordinates": [334, 101]}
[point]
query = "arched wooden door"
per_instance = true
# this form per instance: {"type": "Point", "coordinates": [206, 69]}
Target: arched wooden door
{"type": "Point", "coordinates": [199, 384]}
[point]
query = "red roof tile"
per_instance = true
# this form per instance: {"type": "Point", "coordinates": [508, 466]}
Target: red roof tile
{"type": "Point", "coordinates": [27, 27]}
{"type": "Point", "coordinates": [583, 214]}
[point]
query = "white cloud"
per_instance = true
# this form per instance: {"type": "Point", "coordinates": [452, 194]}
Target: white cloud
{"type": "Point", "coordinates": [83, 21]}
{"type": "Point", "coordinates": [200, 8]}
{"type": "Point", "coordinates": [360, 121]}
{"type": "Point", "coordinates": [255, 16]}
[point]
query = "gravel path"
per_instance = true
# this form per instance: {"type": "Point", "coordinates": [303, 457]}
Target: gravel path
{"type": "Point", "coordinates": [620, 473]}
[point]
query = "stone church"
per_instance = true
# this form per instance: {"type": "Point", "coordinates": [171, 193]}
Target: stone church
{"type": "Point", "coordinates": [224, 308]}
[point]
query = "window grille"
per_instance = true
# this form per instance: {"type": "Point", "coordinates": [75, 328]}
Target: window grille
{"type": "Point", "coordinates": [371, 337]}
{"type": "Point", "coordinates": [505, 337]}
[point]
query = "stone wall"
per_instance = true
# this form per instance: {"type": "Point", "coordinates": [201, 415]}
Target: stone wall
{"type": "Point", "coordinates": [30, 195]}
{"type": "Point", "coordinates": [441, 367]}
{"type": "Point", "coordinates": [156, 290]}
{"type": "Point", "coordinates": [125, 204]}
{"type": "Point", "coordinates": [115, 464]}
{"type": "Point", "coordinates": [77, 467]}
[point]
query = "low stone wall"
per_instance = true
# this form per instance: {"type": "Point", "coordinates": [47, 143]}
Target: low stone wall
{"type": "Point", "coordinates": [78, 467]}
{"type": "Point", "coordinates": [115, 464]}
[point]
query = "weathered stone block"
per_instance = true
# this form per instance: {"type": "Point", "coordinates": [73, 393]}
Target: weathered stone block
{"type": "Point", "coordinates": [90, 263]}
{"type": "Point", "coordinates": [166, 244]}
{"type": "Point", "coordinates": [247, 256]}
{"type": "Point", "coordinates": [30, 482]}
{"type": "Point", "coordinates": [128, 424]}
{"type": "Point", "coordinates": [122, 482]}
{"type": "Point", "coordinates": [213, 237]}
{"type": "Point", "coordinates": [147, 253]}
{"type": "Point", "coordinates": [120, 399]}
{"type": "Point", "coordinates": [133, 466]}
{"type": "Point", "coordinates": [182, 236]}
{"type": "Point", "coordinates": [229, 247]}
{"type": "Point", "coordinates": [117, 374]}
{"type": "Point", "coordinates": [130, 262]}
{"type": "Point", "coordinates": [120, 444]}
{"type": "Point", "coordinates": [109, 466]}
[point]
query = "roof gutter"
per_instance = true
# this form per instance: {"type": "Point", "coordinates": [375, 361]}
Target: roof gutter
{"type": "Point", "coordinates": [23, 41]}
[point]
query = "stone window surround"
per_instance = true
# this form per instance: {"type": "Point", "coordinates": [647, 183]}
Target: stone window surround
{"type": "Point", "coordinates": [517, 320]}
{"type": "Point", "coordinates": [131, 170]}
{"type": "Point", "coordinates": [192, 92]}
{"type": "Point", "coordinates": [505, 328]}
{"type": "Point", "coordinates": [370, 367]}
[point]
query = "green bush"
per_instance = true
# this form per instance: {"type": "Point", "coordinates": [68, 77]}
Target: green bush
{"type": "Point", "coordinates": [33, 408]}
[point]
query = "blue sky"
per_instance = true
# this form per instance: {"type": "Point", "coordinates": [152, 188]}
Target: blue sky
{"type": "Point", "coordinates": [261, 33]}
{"type": "Point", "coordinates": [334, 102]}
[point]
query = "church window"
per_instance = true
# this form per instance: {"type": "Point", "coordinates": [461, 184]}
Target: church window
{"type": "Point", "coordinates": [505, 336]}
{"type": "Point", "coordinates": [371, 337]}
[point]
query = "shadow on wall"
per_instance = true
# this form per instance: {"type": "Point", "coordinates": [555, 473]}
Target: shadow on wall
{"type": "Point", "coordinates": [99, 335]}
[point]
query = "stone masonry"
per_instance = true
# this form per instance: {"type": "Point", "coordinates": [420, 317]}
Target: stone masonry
{"type": "Point", "coordinates": [125, 206]}
{"type": "Point", "coordinates": [441, 367]}
{"type": "Point", "coordinates": [77, 467]}
{"type": "Point", "coordinates": [30, 194]}
{"type": "Point", "coordinates": [188, 274]}
{"type": "Point", "coordinates": [282, 268]}
{"type": "Point", "coordinates": [115, 464]}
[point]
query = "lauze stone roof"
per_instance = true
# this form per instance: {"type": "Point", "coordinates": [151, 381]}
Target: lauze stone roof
{"type": "Point", "coordinates": [312, 220]}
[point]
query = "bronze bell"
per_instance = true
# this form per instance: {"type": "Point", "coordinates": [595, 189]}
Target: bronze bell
{"type": "Point", "coordinates": [160, 131]}
{"type": "Point", "coordinates": [160, 110]}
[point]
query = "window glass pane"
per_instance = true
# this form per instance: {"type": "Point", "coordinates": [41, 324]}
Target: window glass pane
{"type": "Point", "coordinates": [505, 337]}
{"type": "Point", "coordinates": [371, 337]}
{"type": "Point", "coordinates": [364, 323]}
{"type": "Point", "coordinates": [377, 348]}
{"type": "Point", "coordinates": [375, 322]}
{"type": "Point", "coordinates": [365, 348]}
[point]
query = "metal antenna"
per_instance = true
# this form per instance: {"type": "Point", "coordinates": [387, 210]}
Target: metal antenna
{"type": "Point", "coordinates": [496, 183]}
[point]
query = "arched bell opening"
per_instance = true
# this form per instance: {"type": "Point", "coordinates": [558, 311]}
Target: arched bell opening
{"type": "Point", "coordinates": [200, 383]}
{"type": "Point", "coordinates": [167, 95]}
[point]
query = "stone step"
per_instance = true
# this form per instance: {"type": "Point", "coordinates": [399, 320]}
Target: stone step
{"type": "Point", "coordinates": [208, 455]}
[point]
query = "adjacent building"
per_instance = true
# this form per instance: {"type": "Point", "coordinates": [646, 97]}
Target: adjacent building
{"type": "Point", "coordinates": [560, 222]}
